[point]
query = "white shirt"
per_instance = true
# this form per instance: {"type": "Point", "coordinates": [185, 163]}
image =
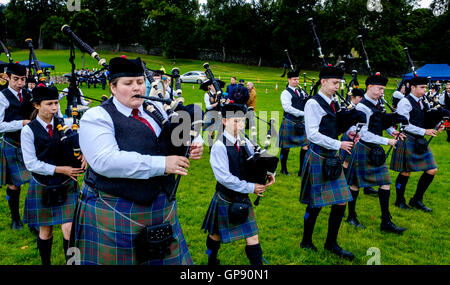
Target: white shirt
{"type": "Point", "coordinates": [220, 165]}
{"type": "Point", "coordinates": [398, 95]}
{"type": "Point", "coordinates": [99, 146]}
{"type": "Point", "coordinates": [313, 116]}
{"type": "Point", "coordinates": [442, 98]}
{"type": "Point", "coordinates": [207, 102]}
{"type": "Point", "coordinates": [32, 163]}
{"type": "Point", "coordinates": [365, 134]}
{"type": "Point", "coordinates": [12, 126]}
{"type": "Point", "coordinates": [403, 108]}
{"type": "Point", "coordinates": [286, 103]}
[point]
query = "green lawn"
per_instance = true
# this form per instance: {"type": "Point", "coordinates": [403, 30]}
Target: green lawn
{"type": "Point", "coordinates": [279, 215]}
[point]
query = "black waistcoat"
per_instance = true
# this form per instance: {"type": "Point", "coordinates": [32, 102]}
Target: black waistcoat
{"type": "Point", "coordinates": [416, 115]}
{"type": "Point", "coordinates": [447, 100]}
{"type": "Point", "coordinates": [16, 111]}
{"type": "Point", "coordinates": [48, 150]}
{"type": "Point", "coordinates": [328, 123]}
{"type": "Point", "coordinates": [236, 164]}
{"type": "Point", "coordinates": [213, 98]}
{"type": "Point", "coordinates": [297, 102]}
{"type": "Point", "coordinates": [376, 120]}
{"type": "Point", "coordinates": [133, 135]}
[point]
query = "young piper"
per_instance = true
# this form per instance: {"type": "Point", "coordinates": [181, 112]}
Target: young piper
{"type": "Point", "coordinates": [228, 155]}
{"type": "Point", "coordinates": [127, 202]}
{"type": "Point", "coordinates": [15, 112]}
{"type": "Point", "coordinates": [52, 174]}
{"type": "Point", "coordinates": [412, 154]}
{"type": "Point", "coordinates": [367, 169]}
{"type": "Point", "coordinates": [317, 189]}
{"type": "Point", "coordinates": [212, 109]}
{"type": "Point", "coordinates": [292, 129]}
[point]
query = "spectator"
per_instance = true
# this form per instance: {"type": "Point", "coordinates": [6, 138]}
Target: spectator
{"type": "Point", "coordinates": [232, 86]}
{"type": "Point", "coordinates": [240, 94]}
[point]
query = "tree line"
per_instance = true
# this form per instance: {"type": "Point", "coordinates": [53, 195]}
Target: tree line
{"type": "Point", "coordinates": [257, 30]}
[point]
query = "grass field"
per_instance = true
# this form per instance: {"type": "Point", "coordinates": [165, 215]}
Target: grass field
{"type": "Point", "coordinates": [279, 215]}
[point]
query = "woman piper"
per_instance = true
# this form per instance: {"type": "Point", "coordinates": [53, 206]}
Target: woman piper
{"type": "Point", "coordinates": [126, 213]}
{"type": "Point", "coordinates": [53, 190]}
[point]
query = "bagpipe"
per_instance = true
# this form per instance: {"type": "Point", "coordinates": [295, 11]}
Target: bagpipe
{"type": "Point", "coordinates": [260, 165]}
{"type": "Point", "coordinates": [299, 88]}
{"type": "Point", "coordinates": [36, 65]}
{"type": "Point", "coordinates": [6, 51]}
{"type": "Point", "coordinates": [216, 84]}
{"type": "Point", "coordinates": [436, 113]}
{"type": "Point", "coordinates": [346, 115]}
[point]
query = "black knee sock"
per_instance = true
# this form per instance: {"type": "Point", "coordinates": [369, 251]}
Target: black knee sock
{"type": "Point", "coordinates": [309, 221]}
{"type": "Point", "coordinates": [13, 202]}
{"type": "Point", "coordinates": [352, 204]}
{"type": "Point", "coordinates": [283, 158]}
{"type": "Point", "coordinates": [254, 254]}
{"type": "Point", "coordinates": [424, 182]}
{"type": "Point", "coordinates": [400, 186]}
{"type": "Point", "coordinates": [302, 159]}
{"type": "Point", "coordinates": [334, 223]}
{"type": "Point", "coordinates": [65, 247]}
{"type": "Point", "coordinates": [383, 196]}
{"type": "Point", "coordinates": [213, 248]}
{"type": "Point", "coordinates": [45, 250]}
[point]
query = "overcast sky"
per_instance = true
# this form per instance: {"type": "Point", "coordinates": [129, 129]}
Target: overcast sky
{"type": "Point", "coordinates": [424, 3]}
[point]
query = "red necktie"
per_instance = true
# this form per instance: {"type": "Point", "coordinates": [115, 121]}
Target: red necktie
{"type": "Point", "coordinates": [20, 97]}
{"type": "Point", "coordinates": [378, 106]}
{"type": "Point", "coordinates": [296, 92]}
{"type": "Point", "coordinates": [420, 104]}
{"type": "Point", "coordinates": [236, 145]}
{"type": "Point", "coordinates": [50, 130]}
{"type": "Point", "coordinates": [136, 116]}
{"type": "Point", "coordinates": [332, 106]}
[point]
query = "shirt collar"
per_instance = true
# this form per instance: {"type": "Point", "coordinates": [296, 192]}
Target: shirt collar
{"type": "Point", "coordinates": [370, 100]}
{"type": "Point", "coordinates": [126, 111]}
{"type": "Point", "coordinates": [44, 124]}
{"type": "Point", "coordinates": [325, 97]}
{"type": "Point", "coordinates": [230, 137]}
{"type": "Point", "coordinates": [13, 91]}
{"type": "Point", "coordinates": [414, 97]}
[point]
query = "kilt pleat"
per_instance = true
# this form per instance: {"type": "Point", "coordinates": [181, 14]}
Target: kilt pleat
{"type": "Point", "coordinates": [106, 237]}
{"type": "Point", "coordinates": [405, 159]}
{"type": "Point", "coordinates": [317, 191]}
{"type": "Point", "coordinates": [36, 214]}
{"type": "Point", "coordinates": [13, 170]}
{"type": "Point", "coordinates": [362, 173]}
{"type": "Point", "coordinates": [216, 221]}
{"type": "Point", "coordinates": [289, 137]}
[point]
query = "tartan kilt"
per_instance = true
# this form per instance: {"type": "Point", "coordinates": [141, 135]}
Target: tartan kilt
{"type": "Point", "coordinates": [362, 173]}
{"type": "Point", "coordinates": [36, 214]}
{"type": "Point", "coordinates": [216, 221]}
{"type": "Point", "coordinates": [345, 157]}
{"type": "Point", "coordinates": [212, 121]}
{"type": "Point", "coordinates": [13, 170]}
{"type": "Point", "coordinates": [405, 159]}
{"type": "Point", "coordinates": [315, 191]}
{"type": "Point", "coordinates": [105, 237]}
{"type": "Point", "coordinates": [289, 137]}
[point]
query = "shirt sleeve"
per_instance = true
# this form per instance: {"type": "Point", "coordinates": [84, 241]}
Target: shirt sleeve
{"type": "Point", "coordinates": [287, 104]}
{"type": "Point", "coordinates": [207, 103]}
{"type": "Point", "coordinates": [403, 108]}
{"type": "Point", "coordinates": [100, 148]}
{"type": "Point", "coordinates": [6, 127]}
{"type": "Point", "coordinates": [32, 163]}
{"type": "Point", "coordinates": [313, 116]}
{"type": "Point", "coordinates": [366, 135]}
{"type": "Point", "coordinates": [221, 169]}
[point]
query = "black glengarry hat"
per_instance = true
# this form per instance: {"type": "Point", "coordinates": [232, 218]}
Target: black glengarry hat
{"type": "Point", "coordinates": [232, 110]}
{"type": "Point", "coordinates": [204, 85]}
{"type": "Point", "coordinates": [17, 69]}
{"type": "Point", "coordinates": [123, 67]}
{"type": "Point", "coordinates": [331, 72]}
{"type": "Point", "coordinates": [358, 92]}
{"type": "Point", "coordinates": [418, 81]}
{"type": "Point", "coordinates": [41, 93]}
{"type": "Point", "coordinates": [292, 74]}
{"type": "Point", "coordinates": [377, 79]}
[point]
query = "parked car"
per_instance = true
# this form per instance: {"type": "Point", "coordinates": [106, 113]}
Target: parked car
{"type": "Point", "coordinates": [194, 77]}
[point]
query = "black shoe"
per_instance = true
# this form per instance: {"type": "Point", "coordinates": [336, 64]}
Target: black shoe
{"type": "Point", "coordinates": [354, 222]}
{"type": "Point", "coordinates": [391, 227]}
{"type": "Point", "coordinates": [370, 191]}
{"type": "Point", "coordinates": [402, 205]}
{"type": "Point", "coordinates": [17, 225]}
{"type": "Point", "coordinates": [419, 205]}
{"type": "Point", "coordinates": [336, 249]}
{"type": "Point", "coordinates": [308, 245]}
{"type": "Point", "coordinates": [285, 172]}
